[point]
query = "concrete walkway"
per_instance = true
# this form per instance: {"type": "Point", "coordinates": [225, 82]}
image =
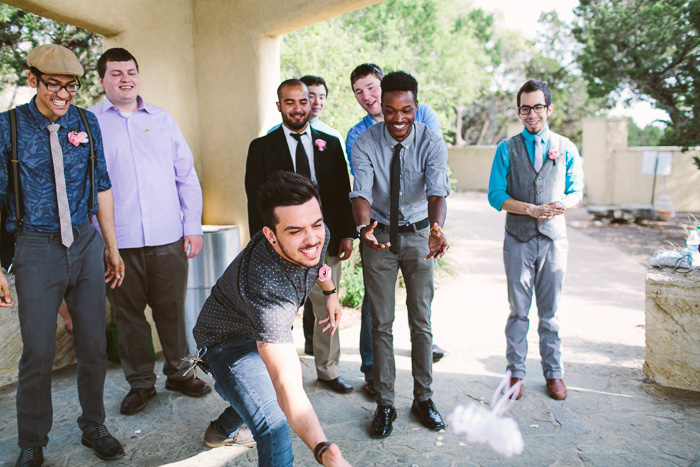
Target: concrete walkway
{"type": "Point", "coordinates": [611, 416]}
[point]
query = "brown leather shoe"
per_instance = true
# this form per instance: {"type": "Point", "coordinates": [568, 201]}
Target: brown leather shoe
{"type": "Point", "coordinates": [513, 382]}
{"type": "Point", "coordinates": [556, 389]}
{"type": "Point", "coordinates": [136, 400]}
{"type": "Point", "coordinates": [193, 387]}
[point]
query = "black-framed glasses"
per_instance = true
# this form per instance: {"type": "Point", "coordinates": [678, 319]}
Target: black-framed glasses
{"type": "Point", "coordinates": [56, 87]}
{"type": "Point", "coordinates": [525, 109]}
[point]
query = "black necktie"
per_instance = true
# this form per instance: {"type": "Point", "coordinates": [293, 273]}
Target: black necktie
{"type": "Point", "coordinates": [302, 161]}
{"type": "Point", "coordinates": [394, 206]}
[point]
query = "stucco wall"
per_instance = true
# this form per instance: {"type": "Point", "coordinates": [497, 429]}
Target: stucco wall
{"type": "Point", "coordinates": [213, 64]}
{"type": "Point", "coordinates": [471, 166]}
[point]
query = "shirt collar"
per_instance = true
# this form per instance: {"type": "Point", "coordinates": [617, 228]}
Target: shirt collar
{"type": "Point", "coordinates": [530, 138]}
{"type": "Point", "coordinates": [143, 106]}
{"type": "Point", "coordinates": [288, 132]}
{"type": "Point", "coordinates": [66, 121]}
{"type": "Point", "coordinates": [391, 142]}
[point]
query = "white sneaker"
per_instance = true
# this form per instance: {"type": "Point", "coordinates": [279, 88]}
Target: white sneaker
{"type": "Point", "coordinates": [243, 437]}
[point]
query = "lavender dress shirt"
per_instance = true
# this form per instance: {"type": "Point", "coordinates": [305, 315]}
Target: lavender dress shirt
{"type": "Point", "coordinates": [157, 196]}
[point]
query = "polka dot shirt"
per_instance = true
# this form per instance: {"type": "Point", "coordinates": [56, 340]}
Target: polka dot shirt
{"type": "Point", "coordinates": [257, 297]}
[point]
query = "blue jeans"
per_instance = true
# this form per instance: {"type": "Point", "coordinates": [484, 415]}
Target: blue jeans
{"type": "Point", "coordinates": [242, 380]}
{"type": "Point", "coordinates": [365, 329]}
{"type": "Point", "coordinates": [366, 339]}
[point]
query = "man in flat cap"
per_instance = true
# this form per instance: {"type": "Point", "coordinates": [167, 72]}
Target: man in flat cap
{"type": "Point", "coordinates": [51, 196]}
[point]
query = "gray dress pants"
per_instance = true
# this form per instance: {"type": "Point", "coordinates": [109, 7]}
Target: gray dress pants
{"type": "Point", "coordinates": [537, 265]}
{"type": "Point", "coordinates": [156, 276]}
{"type": "Point", "coordinates": [380, 274]}
{"type": "Point", "coordinates": [46, 272]}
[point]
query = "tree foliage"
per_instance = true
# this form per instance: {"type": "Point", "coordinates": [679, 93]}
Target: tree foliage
{"type": "Point", "coordinates": [434, 40]}
{"type": "Point", "coordinates": [550, 58]}
{"type": "Point", "coordinates": [21, 31]}
{"type": "Point", "coordinates": [650, 46]}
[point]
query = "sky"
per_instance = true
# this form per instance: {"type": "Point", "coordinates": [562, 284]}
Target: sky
{"type": "Point", "coordinates": [522, 15]}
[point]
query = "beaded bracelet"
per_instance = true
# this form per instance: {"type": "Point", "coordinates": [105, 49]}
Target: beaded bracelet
{"type": "Point", "coordinates": [320, 450]}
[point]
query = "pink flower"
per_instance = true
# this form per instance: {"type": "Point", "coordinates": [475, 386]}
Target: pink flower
{"type": "Point", "coordinates": [320, 144]}
{"type": "Point", "coordinates": [325, 272]}
{"type": "Point", "coordinates": [76, 138]}
{"type": "Point", "coordinates": [553, 154]}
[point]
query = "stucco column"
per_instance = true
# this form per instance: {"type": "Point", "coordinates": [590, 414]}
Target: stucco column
{"type": "Point", "coordinates": [601, 136]}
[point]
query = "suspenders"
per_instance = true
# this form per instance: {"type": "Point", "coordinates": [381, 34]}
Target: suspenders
{"type": "Point", "coordinates": [15, 167]}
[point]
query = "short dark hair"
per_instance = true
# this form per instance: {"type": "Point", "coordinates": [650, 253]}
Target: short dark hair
{"type": "Point", "coordinates": [284, 188]}
{"type": "Point", "coordinates": [400, 81]}
{"type": "Point", "coordinates": [365, 69]}
{"type": "Point", "coordinates": [115, 54]}
{"type": "Point", "coordinates": [310, 80]}
{"type": "Point", "coordinates": [534, 85]}
{"type": "Point", "coordinates": [288, 82]}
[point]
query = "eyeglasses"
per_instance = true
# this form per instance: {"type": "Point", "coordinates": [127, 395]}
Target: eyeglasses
{"type": "Point", "coordinates": [525, 109]}
{"type": "Point", "coordinates": [56, 87]}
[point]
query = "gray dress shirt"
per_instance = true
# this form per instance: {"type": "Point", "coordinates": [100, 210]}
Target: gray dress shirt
{"type": "Point", "coordinates": [423, 171]}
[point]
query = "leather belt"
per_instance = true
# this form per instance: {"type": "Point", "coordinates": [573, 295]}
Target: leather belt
{"type": "Point", "coordinates": [410, 228]}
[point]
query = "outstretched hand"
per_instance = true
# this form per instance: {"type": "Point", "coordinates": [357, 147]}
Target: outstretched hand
{"type": "Point", "coordinates": [436, 242]}
{"type": "Point", "coordinates": [367, 237]}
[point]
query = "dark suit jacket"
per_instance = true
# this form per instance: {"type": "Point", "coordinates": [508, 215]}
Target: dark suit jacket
{"type": "Point", "coordinates": [270, 153]}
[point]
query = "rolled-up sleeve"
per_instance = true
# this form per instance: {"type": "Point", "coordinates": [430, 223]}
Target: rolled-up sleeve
{"type": "Point", "coordinates": [437, 182]}
{"type": "Point", "coordinates": [498, 181]}
{"type": "Point", "coordinates": [364, 171]}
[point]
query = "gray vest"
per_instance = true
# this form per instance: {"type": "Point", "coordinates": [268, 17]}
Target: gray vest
{"type": "Point", "coordinates": [547, 186]}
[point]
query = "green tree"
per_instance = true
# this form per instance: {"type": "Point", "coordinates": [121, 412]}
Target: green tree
{"type": "Point", "coordinates": [650, 135]}
{"type": "Point", "coordinates": [550, 58]}
{"type": "Point", "coordinates": [649, 46]}
{"type": "Point", "coordinates": [434, 40]}
{"type": "Point", "coordinates": [21, 31]}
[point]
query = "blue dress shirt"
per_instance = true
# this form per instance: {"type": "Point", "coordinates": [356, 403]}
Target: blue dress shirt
{"type": "Point", "coordinates": [36, 174]}
{"type": "Point", "coordinates": [423, 172]}
{"type": "Point", "coordinates": [500, 169]}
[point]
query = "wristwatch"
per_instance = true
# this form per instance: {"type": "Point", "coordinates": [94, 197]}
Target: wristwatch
{"type": "Point", "coordinates": [360, 227]}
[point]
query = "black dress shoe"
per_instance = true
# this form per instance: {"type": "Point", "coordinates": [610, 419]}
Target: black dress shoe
{"type": "Point", "coordinates": [338, 385]}
{"type": "Point", "coordinates": [193, 387]}
{"type": "Point", "coordinates": [438, 353]}
{"type": "Point", "coordinates": [30, 457]}
{"type": "Point", "coordinates": [427, 414]}
{"type": "Point", "coordinates": [136, 400]}
{"type": "Point", "coordinates": [382, 422]}
{"type": "Point", "coordinates": [106, 446]}
{"type": "Point", "coordinates": [369, 388]}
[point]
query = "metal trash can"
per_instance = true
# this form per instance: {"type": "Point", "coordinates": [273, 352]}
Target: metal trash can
{"type": "Point", "coordinates": [220, 245]}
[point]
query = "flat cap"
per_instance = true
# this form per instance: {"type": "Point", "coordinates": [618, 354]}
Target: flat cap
{"type": "Point", "coordinates": [54, 59]}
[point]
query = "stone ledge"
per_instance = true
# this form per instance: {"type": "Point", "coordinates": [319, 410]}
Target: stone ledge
{"type": "Point", "coordinates": [673, 328]}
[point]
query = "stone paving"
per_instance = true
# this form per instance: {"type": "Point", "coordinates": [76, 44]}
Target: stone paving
{"type": "Point", "coordinates": [611, 416]}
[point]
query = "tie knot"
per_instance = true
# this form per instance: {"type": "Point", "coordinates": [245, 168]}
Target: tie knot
{"type": "Point", "coordinates": [397, 148]}
{"type": "Point", "coordinates": [53, 127]}
{"type": "Point", "coordinates": [297, 136]}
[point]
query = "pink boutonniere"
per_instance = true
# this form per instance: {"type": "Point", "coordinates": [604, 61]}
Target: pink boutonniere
{"type": "Point", "coordinates": [320, 144]}
{"type": "Point", "coordinates": [554, 155]}
{"type": "Point", "coordinates": [77, 137]}
{"type": "Point", "coordinates": [324, 273]}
